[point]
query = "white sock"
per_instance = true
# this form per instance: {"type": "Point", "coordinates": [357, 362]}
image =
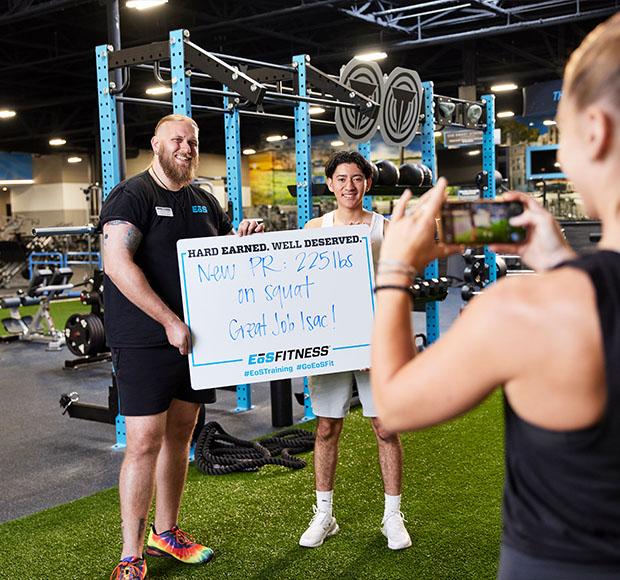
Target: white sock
{"type": "Point", "coordinates": [324, 501]}
{"type": "Point", "coordinates": [392, 504]}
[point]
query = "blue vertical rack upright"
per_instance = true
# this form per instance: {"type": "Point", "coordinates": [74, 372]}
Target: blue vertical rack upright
{"type": "Point", "coordinates": [364, 150]}
{"type": "Point", "coordinates": [303, 173]}
{"type": "Point", "coordinates": [232, 128]}
{"type": "Point", "coordinates": [110, 162]}
{"type": "Point", "coordinates": [430, 160]}
{"type": "Point", "coordinates": [488, 165]}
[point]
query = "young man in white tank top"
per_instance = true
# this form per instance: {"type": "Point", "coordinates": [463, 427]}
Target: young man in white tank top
{"type": "Point", "coordinates": [349, 178]}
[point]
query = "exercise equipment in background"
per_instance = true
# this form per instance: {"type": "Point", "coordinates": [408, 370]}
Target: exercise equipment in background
{"type": "Point", "coordinates": [45, 286]}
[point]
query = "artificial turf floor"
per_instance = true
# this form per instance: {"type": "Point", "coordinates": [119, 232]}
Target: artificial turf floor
{"type": "Point", "coordinates": [451, 498]}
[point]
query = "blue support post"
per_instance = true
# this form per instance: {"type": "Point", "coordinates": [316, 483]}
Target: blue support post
{"type": "Point", "coordinates": [364, 150]}
{"type": "Point", "coordinates": [181, 97]}
{"type": "Point", "coordinates": [488, 165]}
{"type": "Point", "coordinates": [303, 164]}
{"type": "Point", "coordinates": [108, 134]}
{"type": "Point", "coordinates": [110, 163]}
{"type": "Point", "coordinates": [429, 159]}
{"type": "Point", "coordinates": [233, 188]}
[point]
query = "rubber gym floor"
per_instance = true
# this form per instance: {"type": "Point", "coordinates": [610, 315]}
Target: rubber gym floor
{"type": "Point", "coordinates": [60, 504]}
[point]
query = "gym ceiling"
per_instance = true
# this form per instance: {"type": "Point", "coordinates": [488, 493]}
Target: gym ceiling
{"type": "Point", "coordinates": [47, 61]}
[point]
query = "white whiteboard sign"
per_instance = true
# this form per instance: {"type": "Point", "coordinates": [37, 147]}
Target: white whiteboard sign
{"type": "Point", "coordinates": [277, 305]}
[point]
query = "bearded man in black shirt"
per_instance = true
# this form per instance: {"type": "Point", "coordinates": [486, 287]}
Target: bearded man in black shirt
{"type": "Point", "coordinates": [142, 219]}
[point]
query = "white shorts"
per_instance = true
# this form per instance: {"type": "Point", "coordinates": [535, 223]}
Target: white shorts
{"type": "Point", "coordinates": [331, 394]}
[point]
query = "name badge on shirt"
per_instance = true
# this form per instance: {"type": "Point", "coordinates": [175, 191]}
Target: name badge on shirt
{"type": "Point", "coordinates": [164, 211]}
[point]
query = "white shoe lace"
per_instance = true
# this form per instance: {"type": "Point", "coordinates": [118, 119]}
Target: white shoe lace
{"type": "Point", "coordinates": [317, 514]}
{"type": "Point", "coordinates": [386, 517]}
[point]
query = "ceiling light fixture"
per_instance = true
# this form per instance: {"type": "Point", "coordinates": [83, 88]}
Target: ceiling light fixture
{"type": "Point", "coordinates": [316, 110]}
{"type": "Point", "coordinates": [16, 181]}
{"type": "Point", "coordinates": [337, 143]}
{"type": "Point", "coordinates": [367, 56]}
{"type": "Point", "coordinates": [144, 4]}
{"type": "Point", "coordinates": [74, 159]}
{"type": "Point", "coordinates": [158, 90]}
{"type": "Point", "coordinates": [504, 88]}
{"type": "Point", "coordinates": [57, 141]}
{"type": "Point", "coordinates": [549, 122]}
{"type": "Point", "coordinates": [505, 114]}
{"type": "Point", "coordinates": [276, 138]}
{"type": "Point", "coordinates": [474, 152]}
{"type": "Point", "coordinates": [249, 151]}
{"type": "Point", "coordinates": [7, 114]}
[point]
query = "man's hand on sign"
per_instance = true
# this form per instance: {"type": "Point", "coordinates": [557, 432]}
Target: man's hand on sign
{"type": "Point", "coordinates": [178, 335]}
{"type": "Point", "coordinates": [247, 227]}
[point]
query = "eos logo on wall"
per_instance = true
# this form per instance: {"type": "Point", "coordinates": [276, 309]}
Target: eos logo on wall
{"type": "Point", "coordinates": [367, 79]}
{"type": "Point", "coordinates": [400, 96]}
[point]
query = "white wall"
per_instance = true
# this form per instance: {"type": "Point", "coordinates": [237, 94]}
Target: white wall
{"type": "Point", "coordinates": [56, 197]}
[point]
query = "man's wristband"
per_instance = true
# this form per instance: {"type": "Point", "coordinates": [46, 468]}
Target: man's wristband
{"type": "Point", "coordinates": [403, 288]}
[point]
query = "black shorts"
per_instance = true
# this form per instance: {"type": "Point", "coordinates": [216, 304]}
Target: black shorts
{"type": "Point", "coordinates": [149, 378]}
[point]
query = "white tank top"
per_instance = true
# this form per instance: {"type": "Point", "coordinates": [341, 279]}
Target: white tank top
{"type": "Point", "coordinates": [376, 232]}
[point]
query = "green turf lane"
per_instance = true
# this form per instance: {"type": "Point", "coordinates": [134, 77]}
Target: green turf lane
{"type": "Point", "coordinates": [59, 309]}
{"type": "Point", "coordinates": [451, 499]}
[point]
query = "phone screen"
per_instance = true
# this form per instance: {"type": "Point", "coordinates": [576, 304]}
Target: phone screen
{"type": "Point", "coordinates": [481, 222]}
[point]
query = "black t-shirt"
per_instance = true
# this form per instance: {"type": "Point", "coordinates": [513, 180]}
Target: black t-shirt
{"type": "Point", "coordinates": [163, 217]}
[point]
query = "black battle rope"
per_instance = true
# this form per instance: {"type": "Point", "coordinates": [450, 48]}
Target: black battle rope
{"type": "Point", "coordinates": [218, 453]}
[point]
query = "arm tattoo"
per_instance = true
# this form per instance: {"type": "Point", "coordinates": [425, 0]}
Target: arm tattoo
{"type": "Point", "coordinates": [133, 237]}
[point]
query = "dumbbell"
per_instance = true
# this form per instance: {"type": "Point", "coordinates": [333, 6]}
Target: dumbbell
{"type": "Point", "coordinates": [476, 272]}
{"type": "Point", "coordinates": [388, 173]}
{"type": "Point", "coordinates": [439, 287]}
{"type": "Point", "coordinates": [425, 288]}
{"type": "Point", "coordinates": [468, 292]}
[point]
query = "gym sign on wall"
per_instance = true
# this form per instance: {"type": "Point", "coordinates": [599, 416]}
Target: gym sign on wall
{"type": "Point", "coordinates": [400, 96]}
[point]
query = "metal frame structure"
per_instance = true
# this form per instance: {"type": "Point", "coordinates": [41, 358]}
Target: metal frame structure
{"type": "Point", "coordinates": [488, 165]}
{"type": "Point", "coordinates": [479, 41]}
{"type": "Point", "coordinates": [246, 83]}
{"type": "Point", "coordinates": [439, 21]}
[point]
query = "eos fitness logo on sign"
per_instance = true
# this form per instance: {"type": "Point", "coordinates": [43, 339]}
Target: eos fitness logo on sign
{"type": "Point", "coordinates": [288, 355]}
{"type": "Point", "coordinates": [400, 97]}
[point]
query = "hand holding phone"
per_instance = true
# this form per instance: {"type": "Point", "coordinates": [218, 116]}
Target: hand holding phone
{"type": "Point", "coordinates": [545, 246]}
{"type": "Point", "coordinates": [481, 222]}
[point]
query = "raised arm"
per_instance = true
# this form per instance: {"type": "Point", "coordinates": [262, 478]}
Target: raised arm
{"type": "Point", "coordinates": [450, 377]}
{"type": "Point", "coordinates": [120, 241]}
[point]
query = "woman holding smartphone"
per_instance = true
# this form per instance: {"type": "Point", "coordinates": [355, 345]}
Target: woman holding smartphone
{"type": "Point", "coordinates": [552, 341]}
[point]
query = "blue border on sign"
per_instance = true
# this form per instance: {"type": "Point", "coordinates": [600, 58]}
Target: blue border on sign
{"type": "Point", "coordinates": [368, 258]}
{"type": "Point", "coordinates": [351, 346]}
{"type": "Point", "coordinates": [236, 360]}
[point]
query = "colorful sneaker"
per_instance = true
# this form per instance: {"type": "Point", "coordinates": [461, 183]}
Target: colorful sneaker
{"type": "Point", "coordinates": [393, 528]}
{"type": "Point", "coordinates": [322, 526]}
{"type": "Point", "coordinates": [175, 543]}
{"type": "Point", "coordinates": [130, 568]}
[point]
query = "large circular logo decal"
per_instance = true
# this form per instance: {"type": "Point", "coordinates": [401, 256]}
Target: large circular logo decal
{"type": "Point", "coordinates": [400, 107]}
{"type": "Point", "coordinates": [367, 79]}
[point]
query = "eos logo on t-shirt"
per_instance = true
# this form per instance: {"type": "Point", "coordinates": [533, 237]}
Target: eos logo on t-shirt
{"type": "Point", "coordinates": [200, 209]}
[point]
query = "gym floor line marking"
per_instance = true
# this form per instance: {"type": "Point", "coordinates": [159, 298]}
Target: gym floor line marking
{"type": "Point", "coordinates": [350, 346]}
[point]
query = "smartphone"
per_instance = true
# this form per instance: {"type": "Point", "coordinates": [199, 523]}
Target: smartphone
{"type": "Point", "coordinates": [480, 222]}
